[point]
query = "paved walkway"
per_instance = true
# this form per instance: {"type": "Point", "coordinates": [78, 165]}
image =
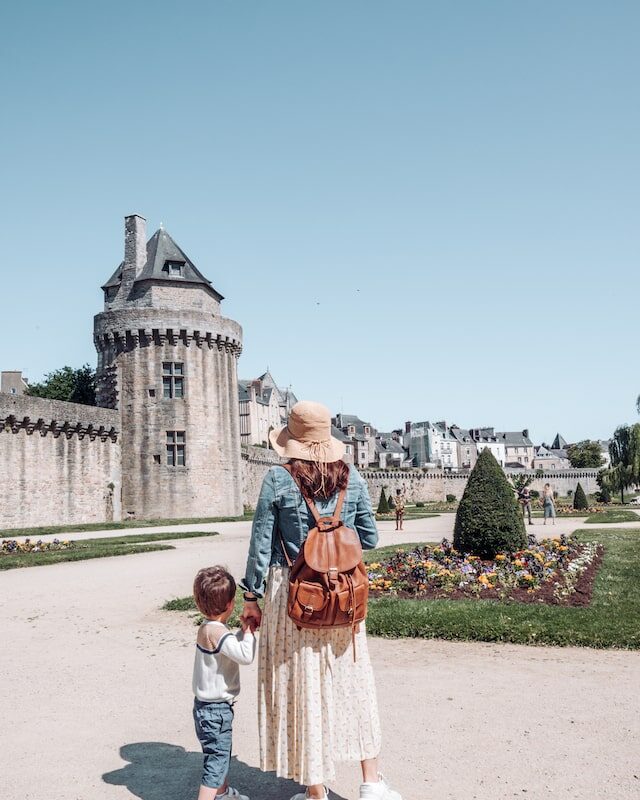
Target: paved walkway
{"type": "Point", "coordinates": [430, 529]}
{"type": "Point", "coordinates": [95, 696]}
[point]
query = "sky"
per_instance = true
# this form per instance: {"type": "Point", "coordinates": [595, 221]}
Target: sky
{"type": "Point", "coordinates": [416, 210]}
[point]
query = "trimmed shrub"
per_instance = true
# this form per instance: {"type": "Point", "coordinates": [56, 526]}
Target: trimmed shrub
{"type": "Point", "coordinates": [451, 498]}
{"type": "Point", "coordinates": [535, 494]}
{"type": "Point", "coordinates": [580, 499]}
{"type": "Point", "coordinates": [391, 502]}
{"type": "Point", "coordinates": [383, 506]}
{"type": "Point", "coordinates": [419, 504]}
{"type": "Point", "coordinates": [604, 495]}
{"type": "Point", "coordinates": [488, 520]}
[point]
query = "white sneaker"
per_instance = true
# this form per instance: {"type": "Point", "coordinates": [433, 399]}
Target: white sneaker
{"type": "Point", "coordinates": [231, 792]}
{"type": "Point", "coordinates": [305, 796]}
{"type": "Point", "coordinates": [378, 791]}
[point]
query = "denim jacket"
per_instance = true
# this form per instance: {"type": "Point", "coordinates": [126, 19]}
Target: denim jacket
{"type": "Point", "coordinates": [282, 510]}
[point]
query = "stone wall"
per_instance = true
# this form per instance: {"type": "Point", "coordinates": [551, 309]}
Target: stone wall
{"type": "Point", "coordinates": [255, 463]}
{"type": "Point", "coordinates": [435, 485]}
{"type": "Point", "coordinates": [59, 463]}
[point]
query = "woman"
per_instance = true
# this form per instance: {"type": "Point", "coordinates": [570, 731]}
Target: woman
{"type": "Point", "coordinates": [316, 704]}
{"type": "Point", "coordinates": [548, 505]}
{"type": "Point", "coordinates": [399, 503]}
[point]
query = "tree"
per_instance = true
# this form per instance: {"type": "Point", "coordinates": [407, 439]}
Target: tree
{"type": "Point", "coordinates": [72, 385]}
{"type": "Point", "coordinates": [624, 450]}
{"type": "Point", "coordinates": [580, 499]}
{"type": "Point", "coordinates": [521, 481]}
{"type": "Point", "coordinates": [489, 519]}
{"type": "Point", "coordinates": [383, 506]}
{"type": "Point", "coordinates": [585, 454]}
{"type": "Point", "coordinates": [604, 495]}
{"type": "Point", "coordinates": [391, 502]}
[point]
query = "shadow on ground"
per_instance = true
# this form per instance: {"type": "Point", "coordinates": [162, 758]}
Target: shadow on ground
{"type": "Point", "coordinates": [161, 771]}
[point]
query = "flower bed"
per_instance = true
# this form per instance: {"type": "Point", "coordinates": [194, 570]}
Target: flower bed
{"type": "Point", "coordinates": [558, 571]}
{"type": "Point", "coordinates": [13, 546]}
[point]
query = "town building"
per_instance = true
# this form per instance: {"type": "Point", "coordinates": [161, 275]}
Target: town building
{"type": "Point", "coordinates": [360, 435]}
{"type": "Point", "coordinates": [518, 448]}
{"type": "Point", "coordinates": [467, 448]}
{"type": "Point", "coordinates": [546, 458]}
{"type": "Point", "coordinates": [12, 382]}
{"type": "Point", "coordinates": [487, 439]}
{"type": "Point", "coordinates": [263, 406]}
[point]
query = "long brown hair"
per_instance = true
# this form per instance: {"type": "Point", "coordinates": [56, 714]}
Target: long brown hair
{"type": "Point", "coordinates": [321, 482]}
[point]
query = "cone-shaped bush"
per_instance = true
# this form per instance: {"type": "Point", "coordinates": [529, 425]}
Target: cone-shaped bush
{"type": "Point", "coordinates": [580, 499]}
{"type": "Point", "coordinates": [390, 502]}
{"type": "Point", "coordinates": [489, 519]}
{"type": "Point", "coordinates": [383, 506]}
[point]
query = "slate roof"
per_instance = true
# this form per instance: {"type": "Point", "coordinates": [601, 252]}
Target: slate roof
{"type": "Point", "coordinates": [338, 434]}
{"type": "Point", "coordinates": [514, 438]}
{"type": "Point", "coordinates": [160, 249]}
{"type": "Point", "coordinates": [389, 446]}
{"type": "Point", "coordinates": [461, 435]}
{"type": "Point", "coordinates": [559, 443]}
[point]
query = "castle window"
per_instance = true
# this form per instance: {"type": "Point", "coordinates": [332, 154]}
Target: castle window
{"type": "Point", "coordinates": [172, 380]}
{"type": "Point", "coordinates": [174, 269]}
{"type": "Point", "coordinates": [176, 447]}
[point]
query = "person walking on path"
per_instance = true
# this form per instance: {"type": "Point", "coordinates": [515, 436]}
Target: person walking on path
{"type": "Point", "coordinates": [525, 499]}
{"type": "Point", "coordinates": [316, 702]}
{"type": "Point", "coordinates": [548, 504]}
{"type": "Point", "coordinates": [399, 505]}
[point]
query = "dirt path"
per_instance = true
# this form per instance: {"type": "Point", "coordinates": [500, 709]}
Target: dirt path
{"type": "Point", "coordinates": [95, 697]}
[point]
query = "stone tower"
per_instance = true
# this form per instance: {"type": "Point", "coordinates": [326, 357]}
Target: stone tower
{"type": "Point", "coordinates": [167, 361]}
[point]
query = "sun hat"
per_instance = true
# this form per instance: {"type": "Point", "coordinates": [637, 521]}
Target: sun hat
{"type": "Point", "coordinates": [307, 435]}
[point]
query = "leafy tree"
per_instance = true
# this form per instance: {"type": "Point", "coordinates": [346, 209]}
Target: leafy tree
{"type": "Point", "coordinates": [488, 520]}
{"type": "Point", "coordinates": [72, 385]}
{"type": "Point", "coordinates": [580, 499]}
{"type": "Point", "coordinates": [604, 495]}
{"type": "Point", "coordinates": [624, 450]}
{"type": "Point", "coordinates": [383, 505]}
{"type": "Point", "coordinates": [585, 454]}
{"type": "Point", "coordinates": [521, 481]}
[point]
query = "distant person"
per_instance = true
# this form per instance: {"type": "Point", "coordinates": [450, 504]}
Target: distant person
{"type": "Point", "coordinates": [399, 502]}
{"type": "Point", "coordinates": [216, 677]}
{"type": "Point", "coordinates": [524, 497]}
{"type": "Point", "coordinates": [548, 504]}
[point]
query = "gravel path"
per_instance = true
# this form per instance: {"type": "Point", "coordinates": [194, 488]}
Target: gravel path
{"type": "Point", "coordinates": [95, 695]}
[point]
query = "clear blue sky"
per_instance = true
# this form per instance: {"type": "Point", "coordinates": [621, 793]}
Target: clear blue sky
{"type": "Point", "coordinates": [417, 210]}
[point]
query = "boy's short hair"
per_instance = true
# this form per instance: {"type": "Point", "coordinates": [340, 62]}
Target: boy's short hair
{"type": "Point", "coordinates": [213, 589]}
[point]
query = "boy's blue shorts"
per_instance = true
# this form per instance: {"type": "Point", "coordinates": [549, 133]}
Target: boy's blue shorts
{"type": "Point", "coordinates": [213, 728]}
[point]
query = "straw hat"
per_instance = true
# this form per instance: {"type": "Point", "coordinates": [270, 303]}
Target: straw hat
{"type": "Point", "coordinates": [308, 435]}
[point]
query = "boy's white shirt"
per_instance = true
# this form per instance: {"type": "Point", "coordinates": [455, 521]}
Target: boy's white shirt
{"type": "Point", "coordinates": [216, 677]}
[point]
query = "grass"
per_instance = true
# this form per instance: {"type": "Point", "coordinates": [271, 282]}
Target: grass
{"type": "Point", "coordinates": [612, 516]}
{"type": "Point", "coordinates": [13, 533]}
{"type": "Point", "coordinates": [611, 621]}
{"type": "Point", "coordinates": [98, 548]}
{"type": "Point", "coordinates": [409, 513]}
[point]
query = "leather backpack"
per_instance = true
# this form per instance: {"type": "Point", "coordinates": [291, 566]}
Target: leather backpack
{"type": "Point", "coordinates": [328, 583]}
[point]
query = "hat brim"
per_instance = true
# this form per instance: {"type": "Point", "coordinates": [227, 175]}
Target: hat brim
{"type": "Point", "coordinates": [286, 446]}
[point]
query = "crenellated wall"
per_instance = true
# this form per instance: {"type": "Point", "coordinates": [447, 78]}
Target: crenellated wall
{"type": "Point", "coordinates": [59, 463]}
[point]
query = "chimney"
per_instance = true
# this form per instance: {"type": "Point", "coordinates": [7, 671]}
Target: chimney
{"type": "Point", "coordinates": [525, 433]}
{"type": "Point", "coordinates": [135, 245]}
{"type": "Point", "coordinates": [407, 427]}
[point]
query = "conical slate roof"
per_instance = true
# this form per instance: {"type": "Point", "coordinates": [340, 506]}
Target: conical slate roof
{"type": "Point", "coordinates": [161, 249]}
{"type": "Point", "coordinates": [559, 443]}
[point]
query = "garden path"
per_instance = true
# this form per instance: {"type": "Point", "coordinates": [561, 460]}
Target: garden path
{"type": "Point", "coordinates": [95, 696]}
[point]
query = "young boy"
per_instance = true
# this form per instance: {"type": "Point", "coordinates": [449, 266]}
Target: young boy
{"type": "Point", "coordinates": [216, 677]}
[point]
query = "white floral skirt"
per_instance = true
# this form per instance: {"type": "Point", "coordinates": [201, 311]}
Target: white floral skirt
{"type": "Point", "coordinates": [316, 705]}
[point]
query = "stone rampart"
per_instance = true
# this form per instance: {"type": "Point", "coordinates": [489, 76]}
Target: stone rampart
{"type": "Point", "coordinates": [59, 463]}
{"type": "Point", "coordinates": [255, 463]}
{"type": "Point", "coordinates": [434, 485]}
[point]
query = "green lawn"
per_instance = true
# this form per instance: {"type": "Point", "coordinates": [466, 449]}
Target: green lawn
{"type": "Point", "coordinates": [57, 530]}
{"type": "Point", "coordinates": [98, 548]}
{"type": "Point", "coordinates": [612, 619]}
{"type": "Point", "coordinates": [612, 516]}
